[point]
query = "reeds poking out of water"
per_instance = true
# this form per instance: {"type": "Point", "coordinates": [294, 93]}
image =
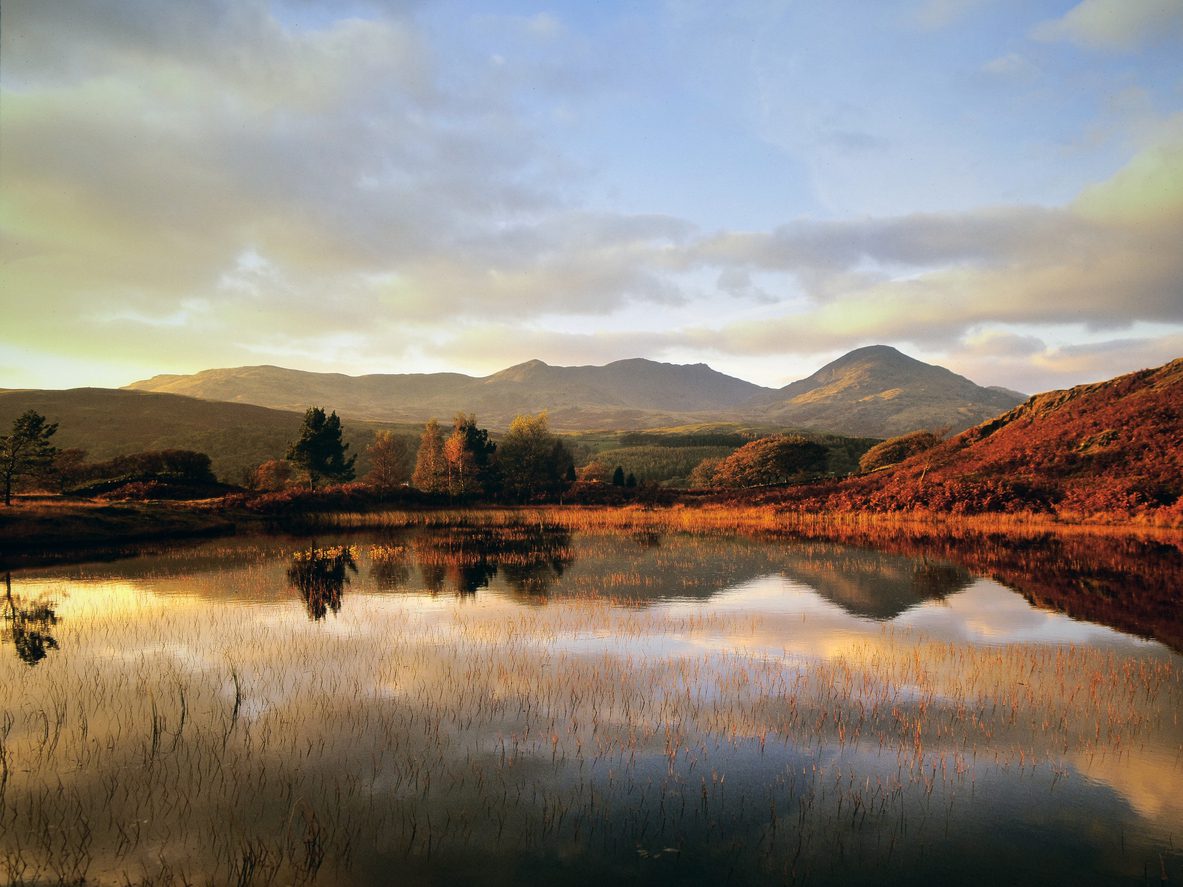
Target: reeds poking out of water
{"type": "Point", "coordinates": [175, 741]}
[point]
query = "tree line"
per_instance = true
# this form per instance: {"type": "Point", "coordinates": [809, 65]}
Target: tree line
{"type": "Point", "coordinates": [529, 463]}
{"type": "Point", "coordinates": [463, 462]}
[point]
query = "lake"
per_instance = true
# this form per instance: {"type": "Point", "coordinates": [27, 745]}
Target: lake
{"type": "Point", "coordinates": [532, 703]}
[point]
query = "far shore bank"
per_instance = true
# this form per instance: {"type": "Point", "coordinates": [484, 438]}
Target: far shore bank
{"type": "Point", "coordinates": [49, 524]}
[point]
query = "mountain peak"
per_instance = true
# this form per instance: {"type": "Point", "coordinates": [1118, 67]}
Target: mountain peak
{"type": "Point", "coordinates": [877, 354]}
{"type": "Point", "coordinates": [879, 391]}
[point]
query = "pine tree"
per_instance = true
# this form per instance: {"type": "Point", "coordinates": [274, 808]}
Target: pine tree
{"type": "Point", "coordinates": [618, 476]}
{"type": "Point", "coordinates": [319, 450]}
{"type": "Point", "coordinates": [26, 450]}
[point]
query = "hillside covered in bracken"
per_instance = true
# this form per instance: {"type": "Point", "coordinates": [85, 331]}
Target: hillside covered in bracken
{"type": "Point", "coordinates": [1107, 451]}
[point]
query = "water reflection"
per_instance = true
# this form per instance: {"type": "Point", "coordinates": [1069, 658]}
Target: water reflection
{"type": "Point", "coordinates": [530, 560]}
{"type": "Point", "coordinates": [872, 584]}
{"type": "Point", "coordinates": [28, 625]}
{"type": "Point", "coordinates": [1125, 581]}
{"type": "Point", "coordinates": [320, 576]}
{"type": "Point", "coordinates": [683, 708]}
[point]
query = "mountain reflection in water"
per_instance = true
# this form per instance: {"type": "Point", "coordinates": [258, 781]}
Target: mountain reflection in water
{"type": "Point", "coordinates": [500, 704]}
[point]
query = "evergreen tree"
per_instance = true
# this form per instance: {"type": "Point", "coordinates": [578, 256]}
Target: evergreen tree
{"type": "Point", "coordinates": [319, 450]}
{"type": "Point", "coordinates": [26, 450]}
{"type": "Point", "coordinates": [618, 476]}
{"type": "Point", "coordinates": [631, 480]}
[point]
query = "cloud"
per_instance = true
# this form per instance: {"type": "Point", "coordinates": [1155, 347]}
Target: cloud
{"type": "Point", "coordinates": [1108, 259]}
{"type": "Point", "coordinates": [1028, 363]}
{"type": "Point", "coordinates": [211, 182]}
{"type": "Point", "coordinates": [1120, 25]}
{"type": "Point", "coordinates": [1011, 66]}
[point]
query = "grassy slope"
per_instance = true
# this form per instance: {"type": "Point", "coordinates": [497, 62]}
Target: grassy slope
{"type": "Point", "coordinates": [108, 423]}
{"type": "Point", "coordinates": [1112, 449]}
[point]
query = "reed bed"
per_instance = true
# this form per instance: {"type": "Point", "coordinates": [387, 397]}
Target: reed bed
{"type": "Point", "coordinates": [181, 735]}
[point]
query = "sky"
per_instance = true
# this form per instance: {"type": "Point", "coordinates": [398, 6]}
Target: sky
{"type": "Point", "coordinates": [380, 186]}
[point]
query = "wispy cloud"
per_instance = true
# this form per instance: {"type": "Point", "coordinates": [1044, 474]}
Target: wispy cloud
{"type": "Point", "coordinates": [1115, 24]}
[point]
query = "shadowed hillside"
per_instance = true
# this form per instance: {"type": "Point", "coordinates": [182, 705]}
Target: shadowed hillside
{"type": "Point", "coordinates": [108, 423]}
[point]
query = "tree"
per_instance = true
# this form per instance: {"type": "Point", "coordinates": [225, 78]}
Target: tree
{"type": "Point", "coordinates": [468, 454]}
{"type": "Point", "coordinates": [703, 474]}
{"type": "Point", "coordinates": [26, 450]}
{"type": "Point", "coordinates": [533, 461]}
{"type": "Point", "coordinates": [630, 481]}
{"type": "Point", "coordinates": [68, 469]}
{"type": "Point", "coordinates": [431, 467]}
{"type": "Point", "coordinates": [319, 450]}
{"type": "Point", "coordinates": [780, 459]}
{"type": "Point", "coordinates": [618, 476]}
{"type": "Point", "coordinates": [29, 625]}
{"type": "Point", "coordinates": [392, 460]}
{"type": "Point", "coordinates": [272, 475]}
{"type": "Point", "coordinates": [897, 449]}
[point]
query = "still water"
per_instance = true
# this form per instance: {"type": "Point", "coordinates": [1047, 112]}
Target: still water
{"type": "Point", "coordinates": [531, 704]}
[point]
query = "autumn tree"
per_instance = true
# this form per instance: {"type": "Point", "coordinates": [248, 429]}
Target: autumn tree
{"type": "Point", "coordinates": [703, 474]}
{"type": "Point", "coordinates": [431, 467]}
{"type": "Point", "coordinates": [392, 460]}
{"type": "Point", "coordinates": [319, 450]}
{"type": "Point", "coordinates": [468, 455]}
{"type": "Point", "coordinates": [780, 459]}
{"type": "Point", "coordinates": [533, 461]}
{"type": "Point", "coordinates": [26, 450]}
{"type": "Point", "coordinates": [272, 475]}
{"type": "Point", "coordinates": [897, 449]}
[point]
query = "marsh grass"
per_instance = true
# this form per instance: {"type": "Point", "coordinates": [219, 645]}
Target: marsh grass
{"type": "Point", "coordinates": [182, 735]}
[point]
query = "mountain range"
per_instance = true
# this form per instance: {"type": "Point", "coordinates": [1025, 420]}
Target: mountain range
{"type": "Point", "coordinates": [875, 391]}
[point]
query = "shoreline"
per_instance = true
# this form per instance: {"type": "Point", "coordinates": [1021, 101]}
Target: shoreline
{"type": "Point", "coordinates": [43, 527]}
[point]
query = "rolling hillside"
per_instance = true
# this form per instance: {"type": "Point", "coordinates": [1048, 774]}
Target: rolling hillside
{"type": "Point", "coordinates": [627, 393]}
{"type": "Point", "coordinates": [871, 392]}
{"type": "Point", "coordinates": [1113, 448]}
{"type": "Point", "coordinates": [108, 423]}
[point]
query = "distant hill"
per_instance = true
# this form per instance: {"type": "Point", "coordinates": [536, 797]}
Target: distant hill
{"type": "Point", "coordinates": [1112, 448]}
{"type": "Point", "coordinates": [627, 393]}
{"type": "Point", "coordinates": [871, 392]}
{"type": "Point", "coordinates": [880, 392]}
{"type": "Point", "coordinates": [108, 423]}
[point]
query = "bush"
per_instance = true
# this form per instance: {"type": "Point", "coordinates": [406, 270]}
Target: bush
{"type": "Point", "coordinates": [897, 449]}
